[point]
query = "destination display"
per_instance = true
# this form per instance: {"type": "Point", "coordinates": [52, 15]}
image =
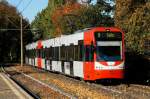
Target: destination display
{"type": "Point", "coordinates": [108, 36]}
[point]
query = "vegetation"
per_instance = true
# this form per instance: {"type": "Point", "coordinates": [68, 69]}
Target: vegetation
{"type": "Point", "coordinates": [133, 16]}
{"type": "Point", "coordinates": [67, 16]}
{"type": "Point", "coordinates": [9, 36]}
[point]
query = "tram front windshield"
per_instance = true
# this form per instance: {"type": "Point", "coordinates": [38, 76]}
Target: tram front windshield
{"type": "Point", "coordinates": [108, 46]}
{"type": "Point", "coordinates": [108, 53]}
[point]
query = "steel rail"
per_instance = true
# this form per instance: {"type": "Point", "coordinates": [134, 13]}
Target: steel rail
{"type": "Point", "coordinates": [23, 87]}
{"type": "Point", "coordinates": [48, 85]}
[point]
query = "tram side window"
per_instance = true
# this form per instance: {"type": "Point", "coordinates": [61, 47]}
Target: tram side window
{"type": "Point", "coordinates": [39, 53]}
{"type": "Point", "coordinates": [33, 53]}
{"type": "Point", "coordinates": [36, 53]}
{"type": "Point", "coordinates": [50, 52]}
{"type": "Point", "coordinates": [77, 53]}
{"type": "Point", "coordinates": [89, 53]}
{"type": "Point", "coordinates": [71, 52]}
{"type": "Point", "coordinates": [30, 53]}
{"type": "Point", "coordinates": [66, 52]}
{"type": "Point", "coordinates": [62, 51]}
{"type": "Point", "coordinates": [46, 53]}
{"type": "Point", "coordinates": [43, 53]}
{"type": "Point", "coordinates": [57, 53]}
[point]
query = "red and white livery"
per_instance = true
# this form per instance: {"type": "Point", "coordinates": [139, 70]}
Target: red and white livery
{"type": "Point", "coordinates": [91, 54]}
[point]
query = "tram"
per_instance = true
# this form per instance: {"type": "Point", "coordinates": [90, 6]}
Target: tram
{"type": "Point", "coordinates": [92, 54]}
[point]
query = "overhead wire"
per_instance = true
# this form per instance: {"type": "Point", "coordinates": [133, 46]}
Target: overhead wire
{"type": "Point", "coordinates": [26, 6]}
{"type": "Point", "coordinates": [25, 9]}
{"type": "Point", "coordinates": [19, 3]}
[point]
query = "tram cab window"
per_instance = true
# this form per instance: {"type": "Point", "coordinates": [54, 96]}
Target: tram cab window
{"type": "Point", "coordinates": [108, 53]}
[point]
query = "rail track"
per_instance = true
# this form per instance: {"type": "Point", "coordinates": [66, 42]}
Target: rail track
{"type": "Point", "coordinates": [81, 89]}
{"type": "Point", "coordinates": [36, 88]}
{"type": "Point", "coordinates": [20, 84]}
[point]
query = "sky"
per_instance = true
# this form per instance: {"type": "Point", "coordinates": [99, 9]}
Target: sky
{"type": "Point", "coordinates": [29, 8]}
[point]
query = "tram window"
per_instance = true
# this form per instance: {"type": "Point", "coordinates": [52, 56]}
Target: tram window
{"type": "Point", "coordinates": [54, 50]}
{"type": "Point", "coordinates": [43, 53]}
{"type": "Point", "coordinates": [81, 52]}
{"type": "Point", "coordinates": [33, 53]}
{"type": "Point", "coordinates": [62, 51]}
{"type": "Point", "coordinates": [76, 52]}
{"type": "Point", "coordinates": [71, 52]}
{"type": "Point", "coordinates": [57, 53]}
{"type": "Point", "coordinates": [66, 52]}
{"type": "Point", "coordinates": [36, 53]}
{"type": "Point", "coordinates": [29, 53]}
{"type": "Point", "coordinates": [47, 53]}
{"type": "Point", "coordinates": [89, 53]}
{"type": "Point", "coordinates": [108, 53]}
{"type": "Point", "coordinates": [50, 52]}
{"type": "Point", "coordinates": [53, 53]}
{"type": "Point", "coordinates": [39, 52]}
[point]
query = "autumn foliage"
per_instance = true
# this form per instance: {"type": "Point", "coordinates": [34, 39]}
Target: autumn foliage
{"type": "Point", "coordinates": [133, 16]}
{"type": "Point", "coordinates": [68, 8]}
{"type": "Point", "coordinates": [67, 16]}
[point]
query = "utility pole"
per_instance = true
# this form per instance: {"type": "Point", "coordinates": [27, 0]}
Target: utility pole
{"type": "Point", "coordinates": [21, 37]}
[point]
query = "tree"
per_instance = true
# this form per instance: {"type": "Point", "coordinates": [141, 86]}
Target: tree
{"type": "Point", "coordinates": [133, 17]}
{"type": "Point", "coordinates": [10, 39]}
{"type": "Point", "coordinates": [67, 16]}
